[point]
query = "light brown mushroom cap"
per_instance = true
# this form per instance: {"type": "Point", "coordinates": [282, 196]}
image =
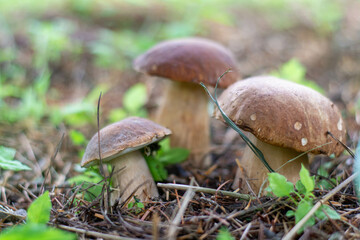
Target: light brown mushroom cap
{"type": "Point", "coordinates": [189, 60]}
{"type": "Point", "coordinates": [284, 114]}
{"type": "Point", "coordinates": [122, 137]}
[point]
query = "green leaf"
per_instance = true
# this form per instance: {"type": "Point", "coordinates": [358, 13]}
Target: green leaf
{"type": "Point", "coordinates": [140, 205]}
{"type": "Point", "coordinates": [290, 213]}
{"type": "Point", "coordinates": [329, 211]}
{"type": "Point", "coordinates": [93, 96]}
{"type": "Point", "coordinates": [7, 160]}
{"type": "Point", "coordinates": [325, 184]}
{"type": "Point", "coordinates": [279, 185]}
{"type": "Point", "coordinates": [90, 175]}
{"type": "Point", "coordinates": [224, 234]}
{"type": "Point", "coordinates": [117, 115]}
{"type": "Point", "coordinates": [12, 165]}
{"type": "Point", "coordinates": [300, 187]}
{"type": "Point", "coordinates": [77, 114]}
{"type": "Point", "coordinates": [136, 206]}
{"type": "Point", "coordinates": [42, 83]}
{"type": "Point", "coordinates": [294, 71]}
{"type": "Point", "coordinates": [39, 210]}
{"type": "Point", "coordinates": [135, 98]}
{"type": "Point", "coordinates": [164, 145]}
{"type": "Point", "coordinates": [36, 232]}
{"type": "Point", "coordinates": [306, 180]}
{"type": "Point", "coordinates": [156, 168]}
{"type": "Point", "coordinates": [8, 153]}
{"type": "Point", "coordinates": [303, 208]}
{"type": "Point", "coordinates": [322, 171]}
{"type": "Point", "coordinates": [173, 156]}
{"type": "Point", "coordinates": [77, 138]}
{"type": "Point", "coordinates": [88, 178]}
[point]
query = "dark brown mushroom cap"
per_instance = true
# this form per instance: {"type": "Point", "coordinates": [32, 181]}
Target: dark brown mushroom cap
{"type": "Point", "coordinates": [284, 114]}
{"type": "Point", "coordinates": [189, 60]}
{"type": "Point", "coordinates": [122, 137]}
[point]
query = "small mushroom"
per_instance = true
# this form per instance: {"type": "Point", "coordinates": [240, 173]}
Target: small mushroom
{"type": "Point", "coordinates": [184, 109]}
{"type": "Point", "coordinates": [284, 119]}
{"type": "Point", "coordinates": [120, 143]}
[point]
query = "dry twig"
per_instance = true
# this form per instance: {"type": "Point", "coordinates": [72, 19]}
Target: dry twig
{"type": "Point", "coordinates": [205, 190]}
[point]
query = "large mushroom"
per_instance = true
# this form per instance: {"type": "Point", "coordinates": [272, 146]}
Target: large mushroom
{"type": "Point", "coordinates": [120, 145]}
{"type": "Point", "coordinates": [283, 120]}
{"type": "Point", "coordinates": [184, 107]}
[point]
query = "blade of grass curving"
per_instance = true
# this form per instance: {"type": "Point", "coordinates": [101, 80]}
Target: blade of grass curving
{"type": "Point", "coordinates": [357, 169]}
{"type": "Point", "coordinates": [101, 165]}
{"type": "Point", "coordinates": [253, 148]}
{"type": "Point", "coordinates": [102, 172]}
{"type": "Point", "coordinates": [342, 144]}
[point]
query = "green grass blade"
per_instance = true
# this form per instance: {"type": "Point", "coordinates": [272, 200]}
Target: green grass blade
{"type": "Point", "coordinates": [253, 148]}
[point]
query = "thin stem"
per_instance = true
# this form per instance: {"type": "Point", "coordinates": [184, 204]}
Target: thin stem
{"type": "Point", "coordinates": [253, 148]}
{"type": "Point", "coordinates": [205, 190]}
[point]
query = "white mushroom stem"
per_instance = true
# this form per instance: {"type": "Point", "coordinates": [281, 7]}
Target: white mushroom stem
{"type": "Point", "coordinates": [255, 172]}
{"type": "Point", "coordinates": [131, 173]}
{"type": "Point", "coordinates": [184, 109]}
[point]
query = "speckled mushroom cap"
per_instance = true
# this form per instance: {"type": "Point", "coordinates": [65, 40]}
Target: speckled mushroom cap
{"type": "Point", "coordinates": [284, 114]}
{"type": "Point", "coordinates": [189, 60]}
{"type": "Point", "coordinates": [122, 137]}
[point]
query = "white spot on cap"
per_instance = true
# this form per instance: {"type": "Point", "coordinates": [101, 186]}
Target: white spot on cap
{"type": "Point", "coordinates": [304, 141]}
{"type": "Point", "coordinates": [297, 126]}
{"type": "Point", "coordinates": [340, 125]}
{"type": "Point", "coordinates": [253, 117]}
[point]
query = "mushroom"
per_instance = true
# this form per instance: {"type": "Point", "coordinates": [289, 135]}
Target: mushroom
{"type": "Point", "coordinates": [283, 119]}
{"type": "Point", "coordinates": [120, 145]}
{"type": "Point", "coordinates": [184, 107]}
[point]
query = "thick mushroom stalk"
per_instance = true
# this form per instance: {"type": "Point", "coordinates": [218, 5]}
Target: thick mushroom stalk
{"type": "Point", "coordinates": [132, 177]}
{"type": "Point", "coordinates": [256, 173]}
{"type": "Point", "coordinates": [183, 101]}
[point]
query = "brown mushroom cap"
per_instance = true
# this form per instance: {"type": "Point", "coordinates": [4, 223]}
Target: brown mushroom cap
{"type": "Point", "coordinates": [122, 137]}
{"type": "Point", "coordinates": [284, 114]}
{"type": "Point", "coordinates": [189, 60]}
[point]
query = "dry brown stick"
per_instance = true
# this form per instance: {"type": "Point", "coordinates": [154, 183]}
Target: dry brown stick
{"type": "Point", "coordinates": [93, 233]}
{"type": "Point", "coordinates": [52, 159]}
{"type": "Point", "coordinates": [173, 229]}
{"type": "Point", "coordinates": [205, 190]}
{"type": "Point", "coordinates": [297, 227]}
{"type": "Point", "coordinates": [213, 229]}
{"type": "Point", "coordinates": [27, 191]}
{"type": "Point", "coordinates": [155, 226]}
{"type": "Point", "coordinates": [127, 225]}
{"type": "Point", "coordinates": [245, 233]}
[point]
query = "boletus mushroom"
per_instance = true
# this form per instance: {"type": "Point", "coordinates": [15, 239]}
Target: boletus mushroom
{"type": "Point", "coordinates": [184, 107]}
{"type": "Point", "coordinates": [120, 145]}
{"type": "Point", "coordinates": [283, 119]}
